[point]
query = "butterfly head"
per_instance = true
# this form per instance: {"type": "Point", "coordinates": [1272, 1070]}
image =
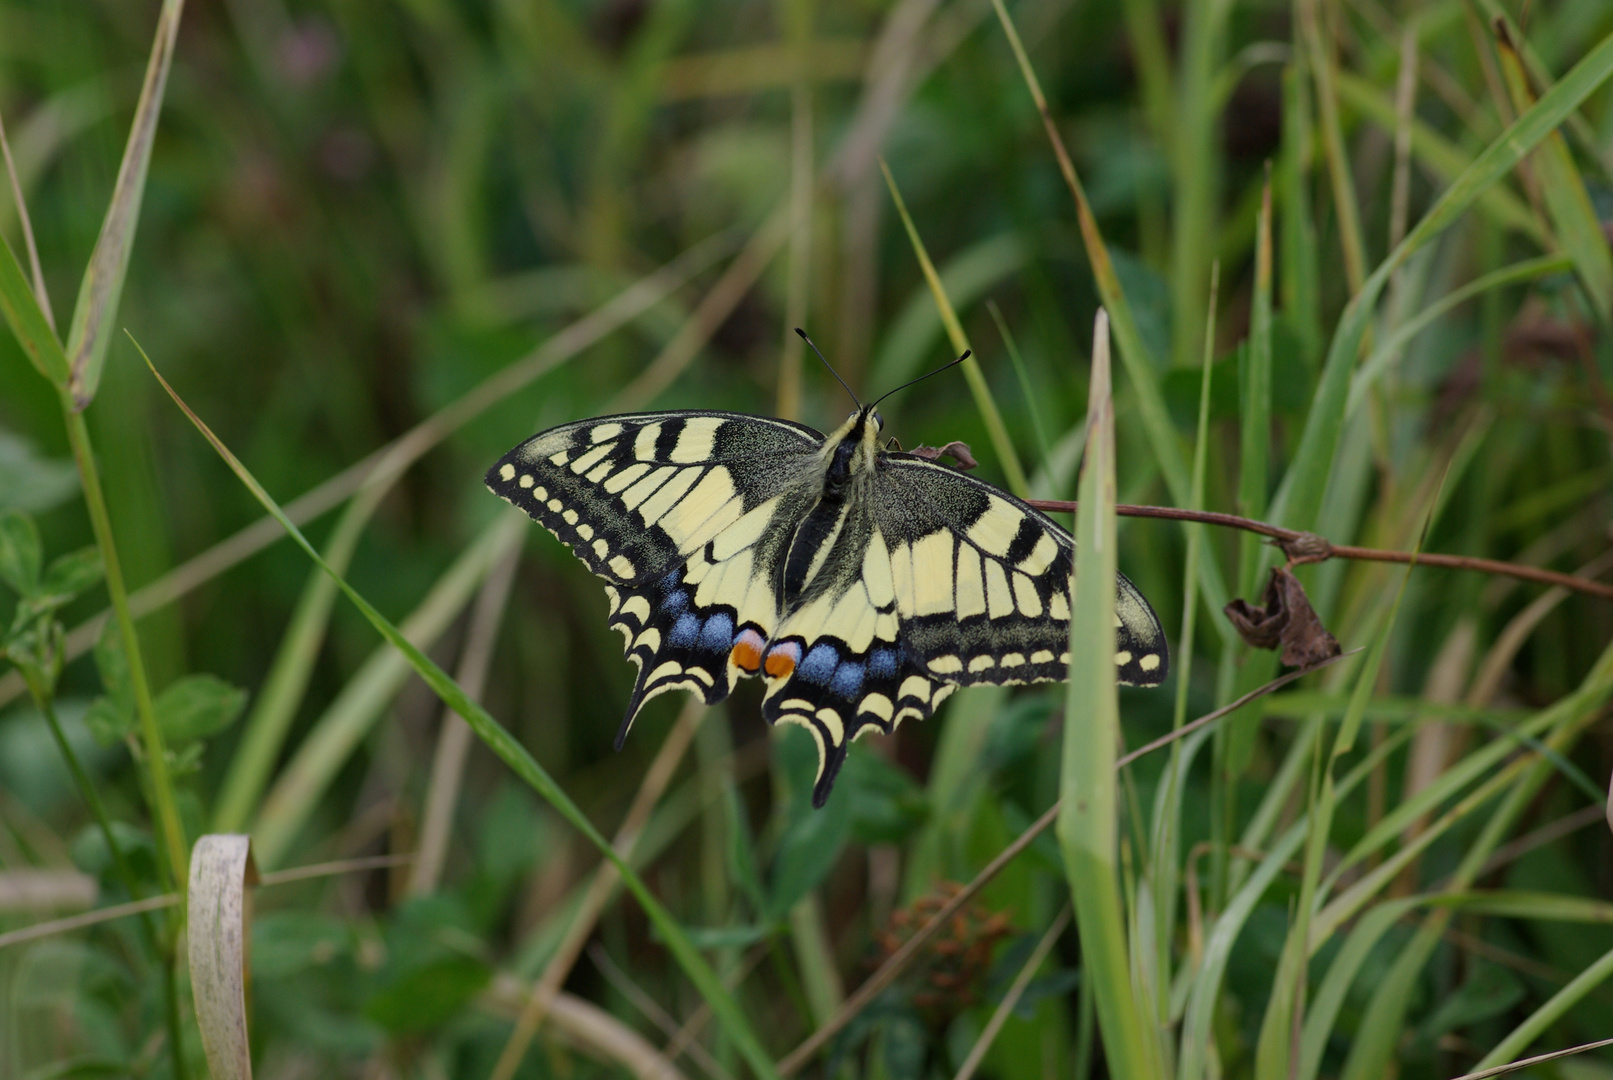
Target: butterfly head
{"type": "Point", "coordinates": [853, 449]}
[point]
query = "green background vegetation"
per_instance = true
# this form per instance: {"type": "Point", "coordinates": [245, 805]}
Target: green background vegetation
{"type": "Point", "coordinates": [356, 214]}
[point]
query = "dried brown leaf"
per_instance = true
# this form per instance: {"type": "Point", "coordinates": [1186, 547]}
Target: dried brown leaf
{"type": "Point", "coordinates": [1285, 621]}
{"type": "Point", "coordinates": [957, 451]}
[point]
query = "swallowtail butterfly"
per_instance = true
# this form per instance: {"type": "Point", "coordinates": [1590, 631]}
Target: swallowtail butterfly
{"type": "Point", "coordinates": [864, 585]}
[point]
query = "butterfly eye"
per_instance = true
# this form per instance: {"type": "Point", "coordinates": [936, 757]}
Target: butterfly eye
{"type": "Point", "coordinates": [879, 422]}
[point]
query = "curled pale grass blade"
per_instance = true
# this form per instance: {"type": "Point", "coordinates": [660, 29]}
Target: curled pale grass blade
{"type": "Point", "coordinates": [221, 868]}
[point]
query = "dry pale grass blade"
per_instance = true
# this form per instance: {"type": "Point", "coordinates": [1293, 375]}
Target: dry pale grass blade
{"type": "Point", "coordinates": [221, 868]}
{"type": "Point", "coordinates": [156, 903]}
{"type": "Point", "coordinates": [713, 310]}
{"type": "Point", "coordinates": [1524, 1063]}
{"type": "Point", "coordinates": [588, 1027]}
{"type": "Point", "coordinates": [455, 736]}
{"type": "Point", "coordinates": [97, 306]}
{"type": "Point", "coordinates": [89, 918]}
{"type": "Point", "coordinates": [1493, 668]}
{"type": "Point", "coordinates": [547, 989]}
{"type": "Point", "coordinates": [337, 732]}
{"type": "Point", "coordinates": [977, 1053]}
{"type": "Point", "coordinates": [45, 890]}
{"type": "Point", "coordinates": [385, 465]}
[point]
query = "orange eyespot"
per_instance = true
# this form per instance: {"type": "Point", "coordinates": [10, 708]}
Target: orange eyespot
{"type": "Point", "coordinates": [748, 654]}
{"type": "Point", "coordinates": [781, 660]}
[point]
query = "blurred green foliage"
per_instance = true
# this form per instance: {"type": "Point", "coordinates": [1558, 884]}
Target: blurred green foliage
{"type": "Point", "coordinates": [357, 213]}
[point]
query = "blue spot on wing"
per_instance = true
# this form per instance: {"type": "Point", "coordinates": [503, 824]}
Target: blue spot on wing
{"type": "Point", "coordinates": [675, 602]}
{"type": "Point", "coordinates": [819, 664]}
{"type": "Point", "coordinates": [848, 680]}
{"type": "Point", "coordinates": [684, 631]}
{"type": "Point", "coordinates": [718, 634]}
{"type": "Point", "coordinates": [882, 663]}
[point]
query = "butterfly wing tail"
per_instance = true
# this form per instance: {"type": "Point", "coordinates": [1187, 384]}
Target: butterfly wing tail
{"type": "Point", "coordinates": [673, 645]}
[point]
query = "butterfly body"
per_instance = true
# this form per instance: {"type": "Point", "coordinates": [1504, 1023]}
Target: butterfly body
{"type": "Point", "coordinates": [863, 585]}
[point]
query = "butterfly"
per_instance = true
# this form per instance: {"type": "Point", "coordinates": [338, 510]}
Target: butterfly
{"type": "Point", "coordinates": [863, 584]}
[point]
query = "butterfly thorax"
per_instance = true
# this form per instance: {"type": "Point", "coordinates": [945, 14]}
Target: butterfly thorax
{"type": "Point", "coordinates": [838, 524]}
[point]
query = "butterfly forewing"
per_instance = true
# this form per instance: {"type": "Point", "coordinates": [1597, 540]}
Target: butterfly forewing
{"type": "Point", "coordinates": [683, 514]}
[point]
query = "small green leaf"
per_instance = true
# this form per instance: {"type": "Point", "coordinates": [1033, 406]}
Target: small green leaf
{"type": "Point", "coordinates": [108, 721]}
{"type": "Point", "coordinates": [69, 576]}
{"type": "Point", "coordinates": [31, 482]}
{"type": "Point", "coordinates": [287, 942]}
{"type": "Point", "coordinates": [197, 706]}
{"type": "Point", "coordinates": [20, 557]}
{"type": "Point", "coordinates": [113, 664]}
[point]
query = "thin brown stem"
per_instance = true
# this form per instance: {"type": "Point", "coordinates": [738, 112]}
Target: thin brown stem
{"type": "Point", "coordinates": [1304, 547]}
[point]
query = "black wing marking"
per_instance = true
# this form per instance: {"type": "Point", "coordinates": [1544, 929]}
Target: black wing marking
{"type": "Point", "coordinates": [684, 514]}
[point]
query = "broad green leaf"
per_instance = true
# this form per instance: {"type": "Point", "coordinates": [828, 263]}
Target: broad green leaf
{"type": "Point", "coordinates": [20, 555]}
{"type": "Point", "coordinates": [198, 706]}
{"type": "Point", "coordinates": [428, 996]}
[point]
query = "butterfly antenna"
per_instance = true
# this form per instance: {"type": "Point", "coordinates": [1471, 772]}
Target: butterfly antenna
{"type": "Point", "coordinates": [966, 354]}
{"type": "Point", "coordinates": [828, 365]}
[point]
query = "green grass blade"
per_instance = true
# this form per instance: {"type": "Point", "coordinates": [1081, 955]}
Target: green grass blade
{"type": "Point", "coordinates": [264, 731]}
{"type": "Point", "coordinates": [1088, 817]}
{"type": "Point", "coordinates": [1301, 289]}
{"type": "Point", "coordinates": [1013, 471]}
{"type": "Point", "coordinates": [1196, 170]}
{"type": "Point", "coordinates": [1166, 840]}
{"type": "Point", "coordinates": [914, 334]}
{"type": "Point", "coordinates": [1567, 205]}
{"type": "Point", "coordinates": [27, 320]}
{"type": "Point", "coordinates": [1305, 484]}
{"type": "Point", "coordinates": [513, 754]}
{"type": "Point", "coordinates": [1141, 366]}
{"type": "Point", "coordinates": [337, 733]}
{"type": "Point", "coordinates": [96, 310]}
{"type": "Point", "coordinates": [1043, 445]}
{"type": "Point", "coordinates": [1254, 414]}
{"type": "Point", "coordinates": [1389, 350]}
{"type": "Point", "coordinates": [1548, 1014]}
{"type": "Point", "coordinates": [1439, 155]}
